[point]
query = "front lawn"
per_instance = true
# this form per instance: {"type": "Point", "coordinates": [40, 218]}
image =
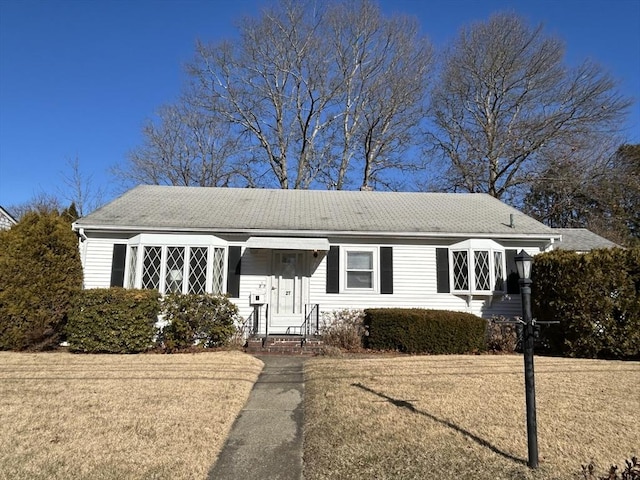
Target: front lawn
{"type": "Point", "coordinates": [463, 417]}
{"type": "Point", "coordinates": [118, 416]}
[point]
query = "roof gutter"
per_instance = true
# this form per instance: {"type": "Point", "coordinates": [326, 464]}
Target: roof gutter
{"type": "Point", "coordinates": [550, 237]}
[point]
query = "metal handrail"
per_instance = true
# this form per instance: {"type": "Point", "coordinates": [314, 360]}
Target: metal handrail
{"type": "Point", "coordinates": [247, 327]}
{"type": "Point", "coordinates": [306, 325]}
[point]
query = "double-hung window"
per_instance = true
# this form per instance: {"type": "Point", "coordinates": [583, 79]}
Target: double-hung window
{"type": "Point", "coordinates": [478, 267]}
{"type": "Point", "coordinates": [359, 268]}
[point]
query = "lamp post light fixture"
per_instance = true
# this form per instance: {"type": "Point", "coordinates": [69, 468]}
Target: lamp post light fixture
{"type": "Point", "coordinates": [523, 263]}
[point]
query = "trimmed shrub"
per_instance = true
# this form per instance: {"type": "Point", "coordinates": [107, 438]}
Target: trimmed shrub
{"type": "Point", "coordinates": [113, 320]}
{"type": "Point", "coordinates": [343, 329]}
{"type": "Point", "coordinates": [596, 298]}
{"type": "Point", "coordinates": [631, 471]}
{"type": "Point", "coordinates": [424, 331]}
{"type": "Point", "coordinates": [40, 272]}
{"type": "Point", "coordinates": [201, 321]}
{"type": "Point", "coordinates": [502, 337]}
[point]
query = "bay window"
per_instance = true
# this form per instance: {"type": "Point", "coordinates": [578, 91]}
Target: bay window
{"type": "Point", "coordinates": [176, 264]}
{"type": "Point", "coordinates": [478, 267]}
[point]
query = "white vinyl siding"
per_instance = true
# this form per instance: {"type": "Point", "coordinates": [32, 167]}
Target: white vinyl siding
{"type": "Point", "coordinates": [414, 273]}
{"type": "Point", "coordinates": [415, 286]}
{"type": "Point", "coordinates": [98, 256]}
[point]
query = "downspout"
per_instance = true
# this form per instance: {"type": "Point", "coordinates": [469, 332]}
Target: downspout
{"type": "Point", "coordinates": [83, 250]}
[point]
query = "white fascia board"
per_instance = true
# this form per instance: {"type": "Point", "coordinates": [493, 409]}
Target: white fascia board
{"type": "Point", "coordinates": [321, 233]}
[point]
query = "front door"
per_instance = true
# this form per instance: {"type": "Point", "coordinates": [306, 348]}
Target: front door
{"type": "Point", "coordinates": [287, 290]}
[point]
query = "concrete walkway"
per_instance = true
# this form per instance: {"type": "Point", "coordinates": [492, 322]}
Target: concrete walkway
{"type": "Point", "coordinates": [266, 439]}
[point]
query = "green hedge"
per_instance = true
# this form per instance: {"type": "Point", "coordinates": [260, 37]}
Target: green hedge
{"type": "Point", "coordinates": [596, 298]}
{"type": "Point", "coordinates": [201, 321]}
{"type": "Point", "coordinates": [40, 272]}
{"type": "Point", "coordinates": [424, 331]}
{"type": "Point", "coordinates": [113, 320]}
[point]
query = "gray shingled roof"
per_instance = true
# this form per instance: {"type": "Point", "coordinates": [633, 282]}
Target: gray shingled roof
{"type": "Point", "coordinates": [581, 240]}
{"type": "Point", "coordinates": [307, 211]}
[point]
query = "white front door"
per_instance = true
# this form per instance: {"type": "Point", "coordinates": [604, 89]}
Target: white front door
{"type": "Point", "coordinates": [287, 290]}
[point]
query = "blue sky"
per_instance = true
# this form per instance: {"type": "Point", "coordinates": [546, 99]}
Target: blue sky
{"type": "Point", "coordinates": [78, 78]}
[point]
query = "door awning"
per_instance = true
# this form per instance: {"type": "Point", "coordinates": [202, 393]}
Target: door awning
{"type": "Point", "coordinates": [289, 243]}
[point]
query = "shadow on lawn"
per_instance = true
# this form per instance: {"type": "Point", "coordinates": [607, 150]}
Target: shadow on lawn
{"type": "Point", "coordinates": [409, 406]}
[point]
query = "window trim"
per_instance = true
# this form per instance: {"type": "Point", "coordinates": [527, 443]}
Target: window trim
{"type": "Point", "coordinates": [471, 247]}
{"type": "Point", "coordinates": [375, 268]}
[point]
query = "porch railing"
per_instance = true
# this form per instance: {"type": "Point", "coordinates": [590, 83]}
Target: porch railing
{"type": "Point", "coordinates": [311, 324]}
{"type": "Point", "coordinates": [246, 328]}
{"type": "Point", "coordinates": [251, 326]}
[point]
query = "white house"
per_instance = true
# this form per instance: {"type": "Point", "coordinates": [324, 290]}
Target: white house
{"type": "Point", "coordinates": [6, 220]}
{"type": "Point", "coordinates": [286, 256]}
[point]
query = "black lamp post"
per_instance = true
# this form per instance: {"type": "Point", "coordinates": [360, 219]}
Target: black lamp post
{"type": "Point", "coordinates": [523, 263]}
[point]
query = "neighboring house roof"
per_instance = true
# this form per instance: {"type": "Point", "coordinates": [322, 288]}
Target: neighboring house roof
{"type": "Point", "coordinates": [582, 240]}
{"type": "Point", "coordinates": [6, 220]}
{"type": "Point", "coordinates": [309, 212]}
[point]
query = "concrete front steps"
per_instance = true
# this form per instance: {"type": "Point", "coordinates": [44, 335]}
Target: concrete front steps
{"type": "Point", "coordinates": [284, 345]}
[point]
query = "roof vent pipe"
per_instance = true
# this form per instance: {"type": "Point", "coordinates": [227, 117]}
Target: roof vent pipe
{"type": "Point", "coordinates": [511, 224]}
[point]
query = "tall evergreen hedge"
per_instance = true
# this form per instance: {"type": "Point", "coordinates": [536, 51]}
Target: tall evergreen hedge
{"type": "Point", "coordinates": [596, 298]}
{"type": "Point", "coordinates": [40, 272]}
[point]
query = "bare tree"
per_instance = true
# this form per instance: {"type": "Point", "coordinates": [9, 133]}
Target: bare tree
{"type": "Point", "coordinates": [382, 66]}
{"type": "Point", "coordinates": [77, 196]}
{"type": "Point", "coordinates": [41, 202]}
{"type": "Point", "coordinates": [183, 147]}
{"type": "Point", "coordinates": [601, 194]}
{"type": "Point", "coordinates": [504, 99]}
{"type": "Point", "coordinates": [80, 189]}
{"type": "Point", "coordinates": [309, 89]}
{"type": "Point", "coordinates": [272, 87]}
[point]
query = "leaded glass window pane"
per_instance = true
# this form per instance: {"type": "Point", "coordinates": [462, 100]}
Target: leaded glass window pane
{"type": "Point", "coordinates": [498, 271]}
{"type": "Point", "coordinates": [217, 275]}
{"type": "Point", "coordinates": [175, 270]}
{"type": "Point", "coordinates": [460, 270]}
{"type": "Point", "coordinates": [198, 270]}
{"type": "Point", "coordinates": [151, 267]}
{"type": "Point", "coordinates": [133, 265]}
{"type": "Point", "coordinates": [482, 271]}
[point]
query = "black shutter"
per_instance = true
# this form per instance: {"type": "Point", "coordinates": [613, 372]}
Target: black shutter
{"type": "Point", "coordinates": [233, 271]}
{"type": "Point", "coordinates": [513, 285]}
{"type": "Point", "coordinates": [442, 267]}
{"type": "Point", "coordinates": [386, 270]}
{"type": "Point", "coordinates": [333, 270]}
{"type": "Point", "coordinates": [117, 264]}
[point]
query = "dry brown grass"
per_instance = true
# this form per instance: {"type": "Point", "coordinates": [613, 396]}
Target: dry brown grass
{"type": "Point", "coordinates": [463, 417]}
{"type": "Point", "coordinates": [118, 417]}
